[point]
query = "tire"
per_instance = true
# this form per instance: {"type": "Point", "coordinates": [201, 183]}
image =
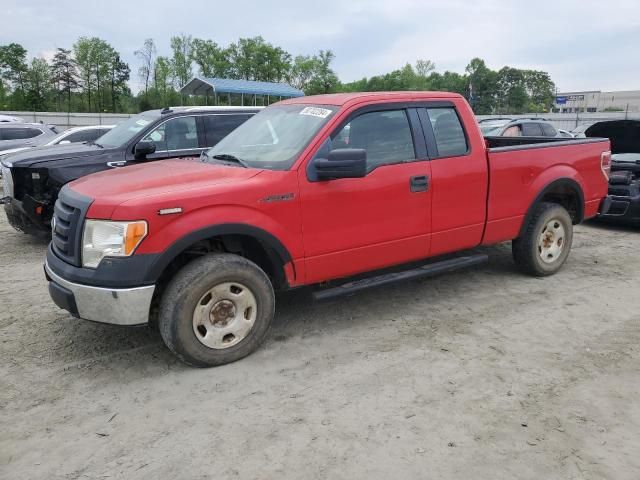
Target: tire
{"type": "Point", "coordinates": [546, 242]}
{"type": "Point", "coordinates": [217, 309]}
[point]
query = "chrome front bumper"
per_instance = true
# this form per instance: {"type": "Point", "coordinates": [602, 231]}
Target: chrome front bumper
{"type": "Point", "coordinates": [118, 306]}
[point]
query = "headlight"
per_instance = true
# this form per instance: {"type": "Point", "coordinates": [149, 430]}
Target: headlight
{"type": "Point", "coordinates": [103, 238]}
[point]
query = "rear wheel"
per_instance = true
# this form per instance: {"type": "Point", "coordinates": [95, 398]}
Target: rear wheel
{"type": "Point", "coordinates": [546, 242]}
{"type": "Point", "coordinates": [216, 310]}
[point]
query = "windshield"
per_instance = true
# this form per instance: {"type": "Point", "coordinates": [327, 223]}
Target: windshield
{"type": "Point", "coordinates": [273, 138]}
{"type": "Point", "coordinates": [125, 131]}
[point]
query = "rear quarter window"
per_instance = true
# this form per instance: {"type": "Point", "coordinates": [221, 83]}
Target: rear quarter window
{"type": "Point", "coordinates": [447, 129]}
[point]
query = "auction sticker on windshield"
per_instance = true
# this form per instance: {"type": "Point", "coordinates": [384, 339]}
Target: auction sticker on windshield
{"type": "Point", "coordinates": [315, 112]}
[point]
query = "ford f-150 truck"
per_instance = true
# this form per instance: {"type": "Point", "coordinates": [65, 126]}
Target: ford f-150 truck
{"type": "Point", "coordinates": [311, 191]}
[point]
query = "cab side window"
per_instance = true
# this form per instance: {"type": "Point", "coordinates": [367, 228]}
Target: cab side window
{"type": "Point", "coordinates": [450, 138]}
{"type": "Point", "coordinates": [219, 126]}
{"type": "Point", "coordinates": [176, 134]}
{"type": "Point", "coordinates": [385, 135]}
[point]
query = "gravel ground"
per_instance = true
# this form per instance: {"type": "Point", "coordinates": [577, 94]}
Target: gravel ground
{"type": "Point", "coordinates": [483, 374]}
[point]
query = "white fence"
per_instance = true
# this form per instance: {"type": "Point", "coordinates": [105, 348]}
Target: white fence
{"type": "Point", "coordinates": [566, 121]}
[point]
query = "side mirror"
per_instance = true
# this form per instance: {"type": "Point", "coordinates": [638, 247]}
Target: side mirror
{"type": "Point", "coordinates": [342, 163]}
{"type": "Point", "coordinates": [63, 142]}
{"type": "Point", "coordinates": [143, 148]}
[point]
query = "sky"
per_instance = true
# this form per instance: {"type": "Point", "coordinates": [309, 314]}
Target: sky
{"type": "Point", "coordinates": [583, 44]}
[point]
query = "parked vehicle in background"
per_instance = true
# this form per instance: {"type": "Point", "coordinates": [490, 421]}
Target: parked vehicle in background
{"type": "Point", "coordinates": [624, 182]}
{"type": "Point", "coordinates": [564, 133]}
{"type": "Point", "coordinates": [522, 127]}
{"type": "Point", "coordinates": [10, 119]}
{"type": "Point", "coordinates": [15, 134]}
{"type": "Point", "coordinates": [578, 132]}
{"type": "Point", "coordinates": [71, 135]}
{"type": "Point", "coordinates": [34, 177]}
{"type": "Point", "coordinates": [309, 191]}
{"type": "Point", "coordinates": [489, 124]}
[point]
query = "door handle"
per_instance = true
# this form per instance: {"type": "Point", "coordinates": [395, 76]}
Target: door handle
{"type": "Point", "coordinates": [116, 164]}
{"type": "Point", "coordinates": [419, 183]}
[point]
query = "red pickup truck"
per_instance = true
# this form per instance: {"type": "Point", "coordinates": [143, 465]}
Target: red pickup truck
{"type": "Point", "coordinates": [310, 191]}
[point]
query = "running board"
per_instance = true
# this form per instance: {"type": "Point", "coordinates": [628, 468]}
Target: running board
{"type": "Point", "coordinates": [389, 278]}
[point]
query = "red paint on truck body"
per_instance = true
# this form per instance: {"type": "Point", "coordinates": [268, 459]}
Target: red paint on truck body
{"type": "Point", "coordinates": [341, 227]}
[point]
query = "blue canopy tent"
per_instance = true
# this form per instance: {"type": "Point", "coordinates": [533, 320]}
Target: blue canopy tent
{"type": "Point", "coordinates": [215, 87]}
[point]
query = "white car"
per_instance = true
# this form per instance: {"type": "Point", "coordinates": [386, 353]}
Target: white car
{"type": "Point", "coordinates": [10, 119]}
{"type": "Point", "coordinates": [564, 133]}
{"type": "Point", "coordinates": [72, 135]}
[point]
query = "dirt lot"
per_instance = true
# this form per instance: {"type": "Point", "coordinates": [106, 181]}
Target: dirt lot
{"type": "Point", "coordinates": [480, 374]}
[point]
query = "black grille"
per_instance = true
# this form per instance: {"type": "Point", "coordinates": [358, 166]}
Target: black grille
{"type": "Point", "coordinates": [68, 219]}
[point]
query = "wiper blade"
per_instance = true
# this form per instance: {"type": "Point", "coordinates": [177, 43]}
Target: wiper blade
{"type": "Point", "coordinates": [230, 158]}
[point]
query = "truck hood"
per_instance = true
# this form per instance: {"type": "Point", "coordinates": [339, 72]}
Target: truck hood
{"type": "Point", "coordinates": [38, 155]}
{"type": "Point", "coordinates": [119, 185]}
{"type": "Point", "coordinates": [624, 134]}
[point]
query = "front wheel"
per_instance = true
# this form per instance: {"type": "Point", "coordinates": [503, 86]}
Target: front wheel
{"type": "Point", "coordinates": [546, 242]}
{"type": "Point", "coordinates": [216, 310]}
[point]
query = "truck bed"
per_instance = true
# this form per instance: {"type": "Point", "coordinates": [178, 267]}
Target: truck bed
{"type": "Point", "coordinates": [522, 167]}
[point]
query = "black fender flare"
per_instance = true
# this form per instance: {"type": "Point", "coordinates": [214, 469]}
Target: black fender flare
{"type": "Point", "coordinates": [560, 182]}
{"type": "Point", "coordinates": [165, 258]}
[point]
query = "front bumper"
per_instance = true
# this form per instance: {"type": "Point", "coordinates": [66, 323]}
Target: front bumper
{"type": "Point", "coordinates": [24, 215]}
{"type": "Point", "coordinates": [622, 209]}
{"type": "Point", "coordinates": [118, 306]}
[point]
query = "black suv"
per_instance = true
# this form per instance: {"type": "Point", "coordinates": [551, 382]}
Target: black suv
{"type": "Point", "coordinates": [33, 178]}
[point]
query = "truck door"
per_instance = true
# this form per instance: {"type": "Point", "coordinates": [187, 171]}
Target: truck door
{"type": "Point", "coordinates": [352, 225]}
{"type": "Point", "coordinates": [459, 178]}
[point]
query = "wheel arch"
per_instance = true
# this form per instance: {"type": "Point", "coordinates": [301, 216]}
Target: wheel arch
{"type": "Point", "coordinates": [563, 191]}
{"type": "Point", "coordinates": [230, 236]}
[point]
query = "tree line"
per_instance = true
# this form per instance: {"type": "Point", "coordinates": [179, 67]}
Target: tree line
{"type": "Point", "coordinates": [91, 76]}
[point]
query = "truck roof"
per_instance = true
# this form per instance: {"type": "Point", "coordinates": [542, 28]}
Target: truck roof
{"type": "Point", "coordinates": [340, 99]}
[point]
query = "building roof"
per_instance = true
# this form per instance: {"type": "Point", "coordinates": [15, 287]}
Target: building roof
{"type": "Point", "coordinates": [203, 85]}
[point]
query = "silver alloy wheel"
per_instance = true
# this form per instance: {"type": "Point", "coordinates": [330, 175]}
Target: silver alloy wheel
{"type": "Point", "coordinates": [225, 315]}
{"type": "Point", "coordinates": [551, 241]}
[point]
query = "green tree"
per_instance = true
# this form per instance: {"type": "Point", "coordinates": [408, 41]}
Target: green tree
{"type": "Point", "coordinates": [211, 59]}
{"type": "Point", "coordinates": [64, 75]}
{"type": "Point", "coordinates": [483, 86]}
{"type": "Point", "coordinates": [163, 81]}
{"type": "Point", "coordinates": [512, 90]}
{"type": "Point", "coordinates": [146, 55]}
{"type": "Point", "coordinates": [13, 69]}
{"type": "Point", "coordinates": [540, 90]}
{"type": "Point", "coordinates": [255, 59]}
{"type": "Point", "coordinates": [324, 78]}
{"type": "Point", "coordinates": [181, 60]}
{"type": "Point", "coordinates": [118, 82]}
{"type": "Point", "coordinates": [425, 67]}
{"type": "Point", "coordinates": [93, 56]}
{"type": "Point", "coordinates": [37, 84]}
{"type": "Point", "coordinates": [302, 71]}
